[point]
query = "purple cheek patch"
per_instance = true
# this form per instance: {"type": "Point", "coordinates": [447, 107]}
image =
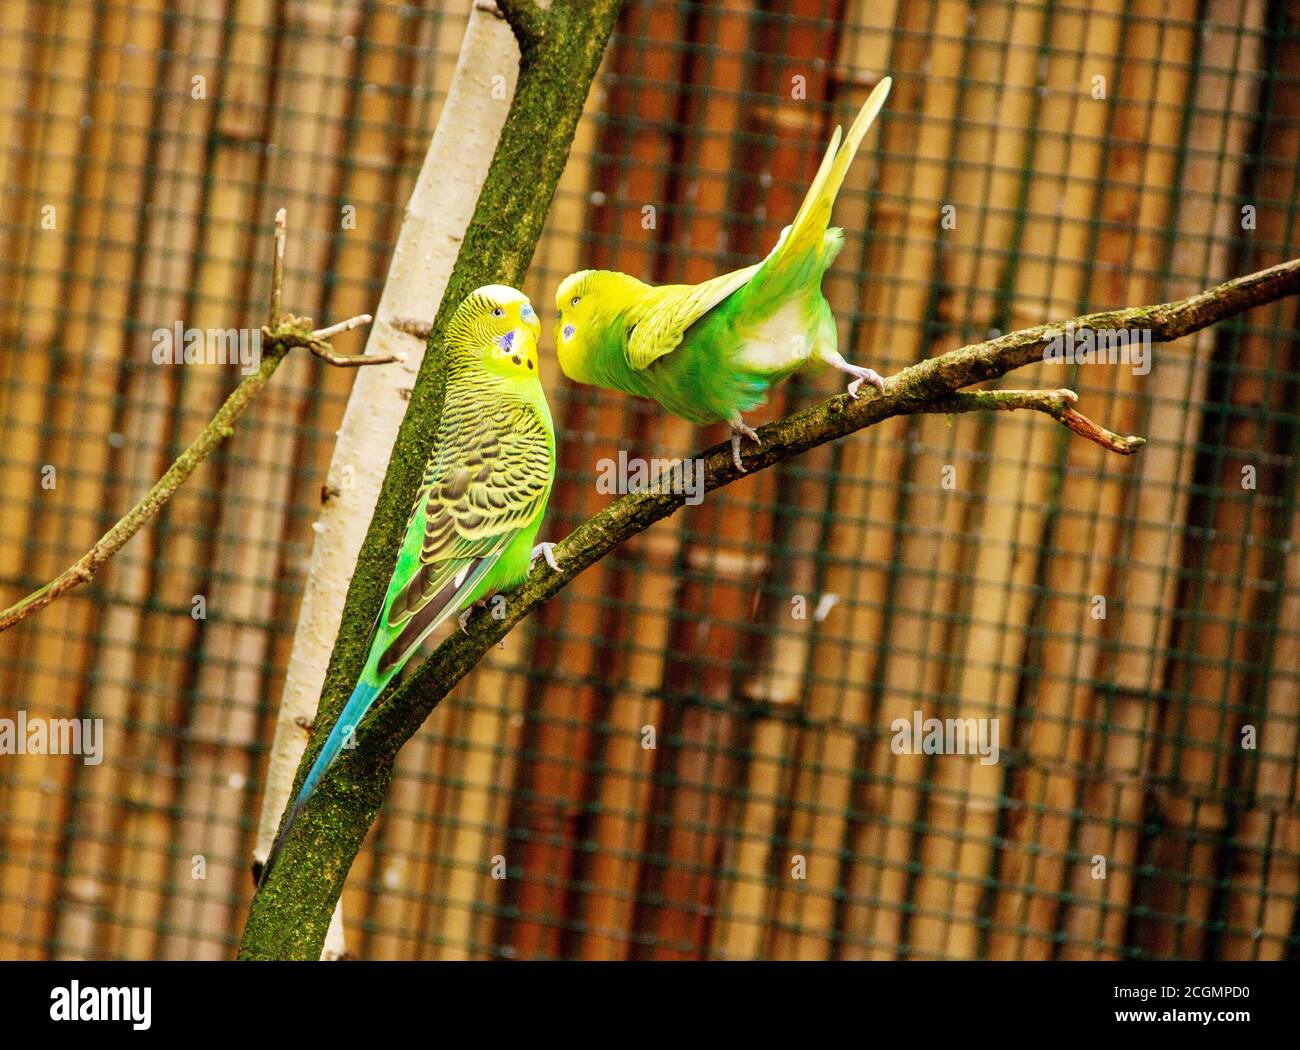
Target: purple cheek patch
{"type": "Point", "coordinates": [568, 331]}
{"type": "Point", "coordinates": [507, 341]}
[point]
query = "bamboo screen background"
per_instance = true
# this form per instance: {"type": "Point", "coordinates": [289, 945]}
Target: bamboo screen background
{"type": "Point", "coordinates": [1120, 736]}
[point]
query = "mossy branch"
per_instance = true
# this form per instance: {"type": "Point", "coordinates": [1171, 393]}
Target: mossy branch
{"type": "Point", "coordinates": [931, 386]}
{"type": "Point", "coordinates": [298, 897]}
{"type": "Point", "coordinates": [281, 334]}
{"type": "Point", "coordinates": [561, 49]}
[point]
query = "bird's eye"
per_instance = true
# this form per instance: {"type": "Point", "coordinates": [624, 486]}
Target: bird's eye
{"type": "Point", "coordinates": [575, 300]}
{"type": "Point", "coordinates": [498, 312]}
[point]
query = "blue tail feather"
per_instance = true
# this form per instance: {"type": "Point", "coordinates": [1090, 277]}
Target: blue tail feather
{"type": "Point", "coordinates": [363, 696]}
{"type": "Point", "coordinates": [373, 680]}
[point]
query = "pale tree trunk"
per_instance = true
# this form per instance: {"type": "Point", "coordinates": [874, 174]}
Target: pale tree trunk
{"type": "Point", "coordinates": [561, 47]}
{"type": "Point", "coordinates": [437, 215]}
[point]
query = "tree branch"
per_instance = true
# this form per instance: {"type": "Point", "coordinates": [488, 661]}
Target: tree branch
{"type": "Point", "coordinates": [979, 362]}
{"type": "Point", "coordinates": [526, 19]}
{"type": "Point", "coordinates": [292, 907]}
{"type": "Point", "coordinates": [282, 334]}
{"type": "Point", "coordinates": [1056, 403]}
{"type": "Point", "coordinates": [930, 386]}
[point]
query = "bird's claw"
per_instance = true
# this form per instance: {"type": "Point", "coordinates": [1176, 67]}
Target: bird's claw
{"type": "Point", "coordinates": [463, 619]}
{"type": "Point", "coordinates": [738, 428]}
{"type": "Point", "coordinates": [868, 375]}
{"type": "Point", "coordinates": [735, 452]}
{"type": "Point", "coordinates": [547, 551]}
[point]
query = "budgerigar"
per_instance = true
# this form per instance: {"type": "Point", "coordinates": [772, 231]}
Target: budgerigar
{"type": "Point", "coordinates": [477, 513]}
{"type": "Point", "coordinates": [710, 352]}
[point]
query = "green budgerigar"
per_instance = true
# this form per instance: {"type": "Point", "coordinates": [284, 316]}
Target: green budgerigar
{"type": "Point", "coordinates": [481, 501]}
{"type": "Point", "coordinates": [710, 352]}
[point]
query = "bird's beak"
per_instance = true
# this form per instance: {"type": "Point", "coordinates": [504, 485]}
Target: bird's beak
{"type": "Point", "coordinates": [528, 316]}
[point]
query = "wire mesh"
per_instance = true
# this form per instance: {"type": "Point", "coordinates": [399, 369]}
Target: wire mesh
{"type": "Point", "coordinates": [689, 752]}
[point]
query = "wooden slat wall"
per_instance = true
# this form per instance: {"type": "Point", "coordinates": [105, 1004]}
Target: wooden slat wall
{"type": "Point", "coordinates": [1120, 736]}
{"type": "Point", "coordinates": [1229, 595]}
{"type": "Point", "coordinates": [691, 215]}
{"type": "Point", "coordinates": [1144, 126]}
{"type": "Point", "coordinates": [110, 223]}
{"type": "Point", "coordinates": [1213, 137]}
{"type": "Point", "coordinates": [46, 173]}
{"type": "Point", "coordinates": [818, 787]}
{"type": "Point", "coordinates": [632, 172]}
{"type": "Point", "coordinates": [891, 625]}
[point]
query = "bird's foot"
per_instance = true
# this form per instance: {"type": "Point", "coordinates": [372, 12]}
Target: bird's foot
{"type": "Point", "coordinates": [860, 375]}
{"type": "Point", "coordinates": [463, 618]}
{"type": "Point", "coordinates": [547, 551]}
{"type": "Point", "coordinates": [739, 427]}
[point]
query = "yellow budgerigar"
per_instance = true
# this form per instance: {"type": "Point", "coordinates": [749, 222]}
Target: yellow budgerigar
{"type": "Point", "coordinates": [478, 509]}
{"type": "Point", "coordinates": [710, 352]}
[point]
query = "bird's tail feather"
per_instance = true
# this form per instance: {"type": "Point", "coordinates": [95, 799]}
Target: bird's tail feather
{"type": "Point", "coordinates": [810, 222]}
{"type": "Point", "coordinates": [363, 696]}
{"type": "Point", "coordinates": [379, 671]}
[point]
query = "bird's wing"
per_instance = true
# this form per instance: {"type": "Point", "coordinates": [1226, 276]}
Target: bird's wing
{"type": "Point", "coordinates": [489, 477]}
{"type": "Point", "coordinates": [656, 327]}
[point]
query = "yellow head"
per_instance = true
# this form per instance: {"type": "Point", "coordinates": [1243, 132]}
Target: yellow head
{"type": "Point", "coordinates": [588, 307]}
{"type": "Point", "coordinates": [573, 314]}
{"type": "Point", "coordinates": [498, 326]}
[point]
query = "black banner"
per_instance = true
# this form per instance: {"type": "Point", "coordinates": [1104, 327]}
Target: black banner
{"type": "Point", "coordinates": [595, 1001]}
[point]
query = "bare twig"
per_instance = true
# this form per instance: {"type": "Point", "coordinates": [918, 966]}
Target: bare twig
{"type": "Point", "coordinates": [277, 267]}
{"type": "Point", "coordinates": [322, 334]}
{"type": "Point", "coordinates": [281, 334]}
{"type": "Point", "coordinates": [1165, 321]}
{"type": "Point", "coordinates": [297, 331]}
{"type": "Point", "coordinates": [1056, 403]}
{"type": "Point", "coordinates": [411, 326]}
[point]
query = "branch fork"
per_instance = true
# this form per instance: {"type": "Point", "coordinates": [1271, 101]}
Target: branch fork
{"type": "Point", "coordinates": [285, 331]}
{"type": "Point", "coordinates": [1059, 404]}
{"type": "Point", "coordinates": [527, 19]}
{"type": "Point", "coordinates": [282, 332]}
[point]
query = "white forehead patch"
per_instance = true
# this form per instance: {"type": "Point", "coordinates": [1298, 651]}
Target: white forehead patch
{"type": "Point", "coordinates": [570, 282]}
{"type": "Point", "coordinates": [502, 293]}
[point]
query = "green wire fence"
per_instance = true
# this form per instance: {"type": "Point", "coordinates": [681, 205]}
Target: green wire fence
{"type": "Point", "coordinates": [694, 750]}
